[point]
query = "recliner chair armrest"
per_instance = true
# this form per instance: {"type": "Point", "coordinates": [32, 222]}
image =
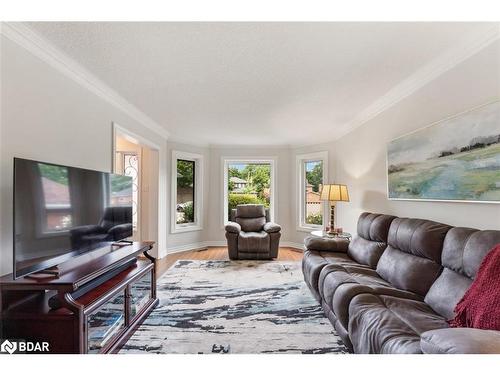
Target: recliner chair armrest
{"type": "Point", "coordinates": [120, 231]}
{"type": "Point", "coordinates": [460, 341]}
{"type": "Point", "coordinates": [272, 227]}
{"type": "Point", "coordinates": [84, 230]}
{"type": "Point", "coordinates": [233, 227]}
{"type": "Point", "coordinates": [334, 244]}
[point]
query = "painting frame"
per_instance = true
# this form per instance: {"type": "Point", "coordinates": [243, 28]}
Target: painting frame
{"type": "Point", "coordinates": [435, 123]}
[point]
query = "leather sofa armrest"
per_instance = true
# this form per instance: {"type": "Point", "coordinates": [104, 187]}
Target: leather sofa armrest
{"type": "Point", "coordinates": [460, 341]}
{"type": "Point", "coordinates": [233, 227]}
{"type": "Point", "coordinates": [271, 227]}
{"type": "Point", "coordinates": [339, 245]}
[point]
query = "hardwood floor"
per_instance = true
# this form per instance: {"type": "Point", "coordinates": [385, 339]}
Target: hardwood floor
{"type": "Point", "coordinates": [217, 253]}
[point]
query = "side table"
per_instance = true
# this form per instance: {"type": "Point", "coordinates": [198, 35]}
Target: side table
{"type": "Point", "coordinates": [323, 234]}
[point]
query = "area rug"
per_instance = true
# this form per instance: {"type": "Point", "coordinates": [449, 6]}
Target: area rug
{"type": "Point", "coordinates": [235, 307]}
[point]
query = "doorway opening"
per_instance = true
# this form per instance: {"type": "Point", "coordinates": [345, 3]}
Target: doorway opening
{"type": "Point", "coordinates": [139, 159]}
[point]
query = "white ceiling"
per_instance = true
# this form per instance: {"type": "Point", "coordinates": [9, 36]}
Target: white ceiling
{"type": "Point", "coordinates": [253, 83]}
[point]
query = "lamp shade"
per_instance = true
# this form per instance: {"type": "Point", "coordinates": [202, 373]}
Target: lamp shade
{"type": "Point", "coordinates": [334, 193]}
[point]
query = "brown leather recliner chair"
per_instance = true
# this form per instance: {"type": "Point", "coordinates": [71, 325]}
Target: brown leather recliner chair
{"type": "Point", "coordinates": [251, 235]}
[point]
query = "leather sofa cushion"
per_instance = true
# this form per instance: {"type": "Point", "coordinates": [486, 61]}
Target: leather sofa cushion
{"type": "Point", "coordinates": [253, 242]}
{"type": "Point", "coordinates": [460, 341]}
{"type": "Point", "coordinates": [339, 284]}
{"type": "Point", "coordinates": [422, 238]}
{"type": "Point", "coordinates": [366, 252]}
{"type": "Point", "coordinates": [250, 211]}
{"type": "Point", "coordinates": [386, 324]}
{"type": "Point", "coordinates": [374, 227]}
{"type": "Point", "coordinates": [272, 227]}
{"type": "Point", "coordinates": [371, 240]}
{"type": "Point", "coordinates": [254, 224]}
{"type": "Point", "coordinates": [446, 292]}
{"type": "Point", "coordinates": [412, 261]}
{"type": "Point", "coordinates": [233, 227]}
{"type": "Point", "coordinates": [314, 261]}
{"type": "Point", "coordinates": [463, 252]}
{"type": "Point", "coordinates": [408, 272]}
{"type": "Point", "coordinates": [326, 244]}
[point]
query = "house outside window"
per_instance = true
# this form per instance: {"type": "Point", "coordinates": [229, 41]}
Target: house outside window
{"type": "Point", "coordinates": [312, 170]}
{"type": "Point", "coordinates": [186, 191]}
{"type": "Point", "coordinates": [248, 181]}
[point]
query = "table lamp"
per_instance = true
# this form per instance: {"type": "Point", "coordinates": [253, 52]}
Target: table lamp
{"type": "Point", "coordinates": [334, 193]}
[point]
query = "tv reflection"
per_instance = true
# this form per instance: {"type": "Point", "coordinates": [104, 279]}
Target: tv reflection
{"type": "Point", "coordinates": [114, 225]}
{"type": "Point", "coordinates": [64, 210]}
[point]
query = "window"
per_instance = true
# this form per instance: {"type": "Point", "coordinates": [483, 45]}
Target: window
{"type": "Point", "coordinates": [58, 215]}
{"type": "Point", "coordinates": [248, 181]}
{"type": "Point", "coordinates": [311, 171]}
{"type": "Point", "coordinates": [186, 191]}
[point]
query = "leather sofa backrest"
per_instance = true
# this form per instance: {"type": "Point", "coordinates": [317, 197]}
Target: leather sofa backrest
{"type": "Point", "coordinates": [251, 217]}
{"type": "Point", "coordinates": [371, 240]}
{"type": "Point", "coordinates": [412, 260]}
{"type": "Point", "coordinates": [232, 215]}
{"type": "Point", "coordinates": [463, 252]}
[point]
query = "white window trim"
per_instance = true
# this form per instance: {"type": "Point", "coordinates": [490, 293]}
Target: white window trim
{"type": "Point", "coordinates": [300, 199]}
{"type": "Point", "coordinates": [226, 160]}
{"type": "Point", "coordinates": [198, 192]}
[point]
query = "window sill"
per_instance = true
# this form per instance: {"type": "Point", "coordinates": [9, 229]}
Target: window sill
{"type": "Point", "coordinates": [187, 228]}
{"type": "Point", "coordinates": [309, 229]}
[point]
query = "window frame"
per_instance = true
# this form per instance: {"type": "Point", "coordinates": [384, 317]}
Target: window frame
{"type": "Point", "coordinates": [198, 192]}
{"type": "Point", "coordinates": [301, 159]}
{"type": "Point", "coordinates": [226, 160]}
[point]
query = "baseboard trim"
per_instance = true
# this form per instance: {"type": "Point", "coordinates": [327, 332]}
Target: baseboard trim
{"type": "Point", "coordinates": [206, 244]}
{"type": "Point", "coordinates": [187, 247]}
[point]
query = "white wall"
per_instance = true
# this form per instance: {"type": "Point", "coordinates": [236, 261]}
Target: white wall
{"type": "Point", "coordinates": [361, 155]}
{"type": "Point", "coordinates": [48, 116]}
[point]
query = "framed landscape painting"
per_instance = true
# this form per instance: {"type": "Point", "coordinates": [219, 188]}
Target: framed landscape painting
{"type": "Point", "coordinates": [456, 159]}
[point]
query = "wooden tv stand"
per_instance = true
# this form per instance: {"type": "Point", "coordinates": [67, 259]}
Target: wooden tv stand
{"type": "Point", "coordinates": [99, 321]}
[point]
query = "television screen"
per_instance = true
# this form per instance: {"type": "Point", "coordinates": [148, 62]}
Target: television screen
{"type": "Point", "coordinates": [61, 212]}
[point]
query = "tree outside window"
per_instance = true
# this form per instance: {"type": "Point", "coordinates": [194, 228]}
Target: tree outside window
{"type": "Point", "coordinates": [248, 183]}
{"type": "Point", "coordinates": [313, 182]}
{"type": "Point", "coordinates": [185, 191]}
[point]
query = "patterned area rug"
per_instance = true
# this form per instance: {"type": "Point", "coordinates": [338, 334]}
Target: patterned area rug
{"type": "Point", "coordinates": [235, 307]}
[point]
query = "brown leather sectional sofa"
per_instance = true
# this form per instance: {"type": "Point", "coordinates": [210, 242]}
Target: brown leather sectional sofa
{"type": "Point", "coordinates": [395, 285]}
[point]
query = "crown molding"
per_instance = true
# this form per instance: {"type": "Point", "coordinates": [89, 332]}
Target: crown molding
{"type": "Point", "coordinates": [27, 38]}
{"type": "Point", "coordinates": [38, 46]}
{"type": "Point", "coordinates": [187, 141]}
{"type": "Point", "coordinates": [220, 146]}
{"type": "Point", "coordinates": [427, 73]}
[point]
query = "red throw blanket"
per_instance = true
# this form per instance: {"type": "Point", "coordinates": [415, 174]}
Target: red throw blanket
{"type": "Point", "coordinates": [480, 305]}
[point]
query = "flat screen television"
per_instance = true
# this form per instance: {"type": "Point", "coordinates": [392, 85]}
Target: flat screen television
{"type": "Point", "coordinates": [61, 212]}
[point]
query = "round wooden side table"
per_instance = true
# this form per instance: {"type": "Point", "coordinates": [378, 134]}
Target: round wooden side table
{"type": "Point", "coordinates": [323, 234]}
